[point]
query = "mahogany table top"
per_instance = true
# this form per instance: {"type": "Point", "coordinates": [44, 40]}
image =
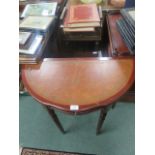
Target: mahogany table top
{"type": "Point", "coordinates": [84, 83]}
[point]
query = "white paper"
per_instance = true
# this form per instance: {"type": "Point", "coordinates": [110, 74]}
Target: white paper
{"type": "Point", "coordinates": [74, 107]}
{"type": "Point", "coordinates": [45, 12]}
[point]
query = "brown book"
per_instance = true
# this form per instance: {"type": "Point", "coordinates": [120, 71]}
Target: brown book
{"type": "Point", "coordinates": [83, 13]}
{"type": "Point", "coordinates": [90, 24]}
{"type": "Point", "coordinates": [79, 24]}
{"type": "Point", "coordinates": [84, 29]}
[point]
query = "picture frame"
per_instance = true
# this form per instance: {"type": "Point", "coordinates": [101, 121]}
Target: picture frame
{"type": "Point", "coordinates": [23, 37]}
{"type": "Point", "coordinates": [40, 9]}
{"type": "Point", "coordinates": [40, 23]}
{"type": "Point", "coordinates": [33, 47]}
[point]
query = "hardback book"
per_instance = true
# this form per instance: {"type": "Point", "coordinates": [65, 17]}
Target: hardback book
{"type": "Point", "coordinates": [91, 1]}
{"type": "Point", "coordinates": [39, 9]}
{"type": "Point", "coordinates": [23, 37]}
{"type": "Point", "coordinates": [33, 47]}
{"type": "Point", "coordinates": [79, 24]}
{"type": "Point", "coordinates": [83, 13]}
{"type": "Point", "coordinates": [41, 23]}
{"type": "Point", "coordinates": [90, 24]}
{"type": "Point", "coordinates": [83, 29]}
{"type": "Point", "coordinates": [82, 23]}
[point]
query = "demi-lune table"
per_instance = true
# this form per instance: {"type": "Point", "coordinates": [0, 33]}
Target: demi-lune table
{"type": "Point", "coordinates": [78, 85]}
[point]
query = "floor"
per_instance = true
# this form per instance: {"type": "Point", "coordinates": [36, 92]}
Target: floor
{"type": "Point", "coordinates": [37, 130]}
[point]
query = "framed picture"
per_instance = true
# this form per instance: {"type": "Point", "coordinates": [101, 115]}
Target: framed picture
{"type": "Point", "coordinates": [33, 47]}
{"type": "Point", "coordinates": [39, 9]}
{"type": "Point", "coordinates": [23, 37]}
{"type": "Point", "coordinates": [36, 23]}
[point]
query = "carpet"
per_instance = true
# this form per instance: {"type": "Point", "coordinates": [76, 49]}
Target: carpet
{"type": "Point", "coordinates": [32, 151]}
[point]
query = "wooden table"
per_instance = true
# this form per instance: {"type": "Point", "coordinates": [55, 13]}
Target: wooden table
{"type": "Point", "coordinates": [78, 85]}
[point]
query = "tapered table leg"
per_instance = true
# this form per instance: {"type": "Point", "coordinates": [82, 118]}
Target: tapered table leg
{"type": "Point", "coordinates": [101, 119]}
{"type": "Point", "coordinates": [113, 105]}
{"type": "Point", "coordinates": [55, 119]}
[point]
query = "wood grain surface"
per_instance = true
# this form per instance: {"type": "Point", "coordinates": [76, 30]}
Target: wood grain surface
{"type": "Point", "coordinates": [118, 45]}
{"type": "Point", "coordinates": [87, 82]}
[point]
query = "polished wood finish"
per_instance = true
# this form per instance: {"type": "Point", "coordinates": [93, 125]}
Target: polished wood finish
{"type": "Point", "coordinates": [129, 96]}
{"type": "Point", "coordinates": [117, 47]}
{"type": "Point", "coordinates": [116, 42]}
{"type": "Point", "coordinates": [87, 82]}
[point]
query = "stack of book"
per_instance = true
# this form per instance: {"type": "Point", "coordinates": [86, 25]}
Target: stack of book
{"type": "Point", "coordinates": [126, 27]}
{"type": "Point", "coordinates": [82, 20]}
{"type": "Point", "coordinates": [29, 42]}
{"type": "Point", "coordinates": [35, 28]}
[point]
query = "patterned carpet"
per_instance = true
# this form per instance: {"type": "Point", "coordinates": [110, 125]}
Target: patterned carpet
{"type": "Point", "coordinates": [32, 151]}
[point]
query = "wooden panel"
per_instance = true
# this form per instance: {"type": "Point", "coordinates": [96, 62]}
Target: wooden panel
{"type": "Point", "coordinates": [117, 45]}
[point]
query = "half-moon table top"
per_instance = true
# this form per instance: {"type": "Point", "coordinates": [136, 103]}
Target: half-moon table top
{"type": "Point", "coordinates": [78, 84]}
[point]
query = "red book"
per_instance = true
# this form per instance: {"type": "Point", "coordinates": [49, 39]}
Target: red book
{"type": "Point", "coordinates": [83, 13]}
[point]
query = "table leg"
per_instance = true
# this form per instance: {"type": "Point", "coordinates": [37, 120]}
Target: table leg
{"type": "Point", "coordinates": [113, 105]}
{"type": "Point", "coordinates": [101, 119]}
{"type": "Point", "coordinates": [55, 119]}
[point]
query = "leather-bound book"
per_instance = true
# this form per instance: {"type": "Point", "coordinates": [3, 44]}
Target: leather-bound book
{"type": "Point", "coordinates": [79, 24]}
{"type": "Point", "coordinates": [83, 13]}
